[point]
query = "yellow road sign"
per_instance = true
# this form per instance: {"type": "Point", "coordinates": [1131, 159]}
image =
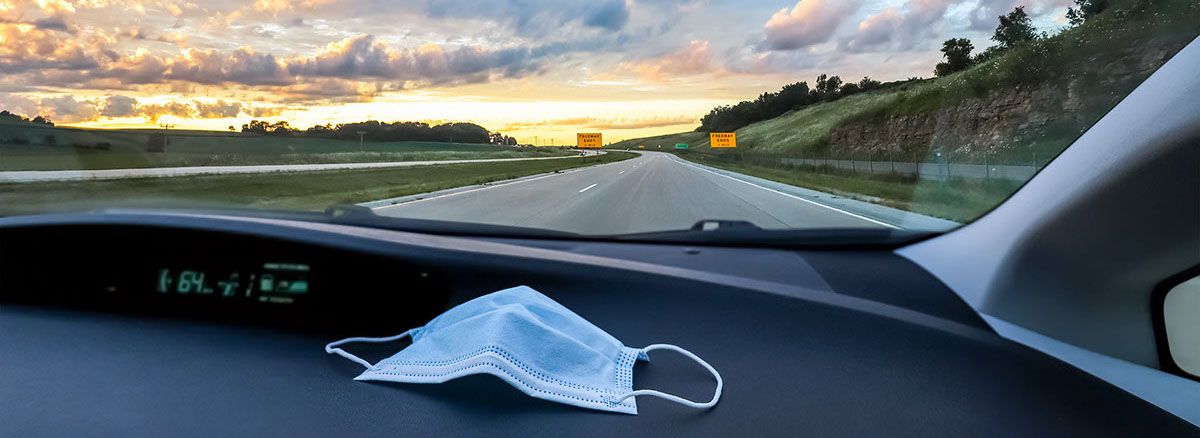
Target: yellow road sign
{"type": "Point", "coordinates": [589, 141]}
{"type": "Point", "coordinates": [722, 139]}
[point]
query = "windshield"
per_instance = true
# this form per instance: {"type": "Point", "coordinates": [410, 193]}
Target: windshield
{"type": "Point", "coordinates": [598, 118]}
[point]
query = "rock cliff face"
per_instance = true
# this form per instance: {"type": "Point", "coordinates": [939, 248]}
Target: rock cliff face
{"type": "Point", "coordinates": [1008, 122]}
{"type": "Point", "coordinates": [992, 124]}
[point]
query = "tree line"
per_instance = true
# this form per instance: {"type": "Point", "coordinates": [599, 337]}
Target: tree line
{"type": "Point", "coordinates": [6, 116]}
{"type": "Point", "coordinates": [792, 96]}
{"type": "Point", "coordinates": [1014, 28]}
{"type": "Point", "coordinates": [373, 130]}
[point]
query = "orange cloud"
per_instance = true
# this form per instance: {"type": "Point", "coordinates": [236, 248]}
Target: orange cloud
{"type": "Point", "coordinates": [696, 58]}
{"type": "Point", "coordinates": [600, 123]}
{"type": "Point", "coordinates": [24, 47]}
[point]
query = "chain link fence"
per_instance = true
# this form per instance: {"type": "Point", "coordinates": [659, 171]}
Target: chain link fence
{"type": "Point", "coordinates": [938, 169]}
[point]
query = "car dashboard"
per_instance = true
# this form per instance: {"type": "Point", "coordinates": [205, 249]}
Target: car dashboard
{"type": "Point", "coordinates": [150, 324]}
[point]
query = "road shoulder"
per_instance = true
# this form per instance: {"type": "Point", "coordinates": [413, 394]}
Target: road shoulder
{"type": "Point", "coordinates": [892, 217]}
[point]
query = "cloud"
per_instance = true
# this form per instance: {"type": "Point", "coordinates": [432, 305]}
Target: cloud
{"type": "Point", "coordinates": [696, 58]}
{"type": "Point", "coordinates": [45, 15]}
{"type": "Point", "coordinates": [535, 17]}
{"type": "Point", "coordinates": [204, 109]}
{"type": "Point", "coordinates": [365, 57]}
{"type": "Point", "coordinates": [109, 45]}
{"type": "Point", "coordinates": [24, 47]}
{"type": "Point", "coordinates": [809, 23]}
{"type": "Point", "coordinates": [608, 14]}
{"type": "Point", "coordinates": [276, 6]}
{"type": "Point", "coordinates": [219, 109]}
{"type": "Point", "coordinates": [243, 66]}
{"type": "Point", "coordinates": [328, 89]}
{"type": "Point", "coordinates": [118, 106]}
{"type": "Point", "coordinates": [141, 67]}
{"type": "Point", "coordinates": [606, 124]}
{"type": "Point", "coordinates": [19, 104]}
{"type": "Point", "coordinates": [264, 111]}
{"type": "Point", "coordinates": [899, 29]}
{"type": "Point", "coordinates": [155, 111]}
{"type": "Point", "coordinates": [576, 121]}
{"type": "Point", "coordinates": [651, 122]}
{"type": "Point", "coordinates": [983, 16]}
{"type": "Point", "coordinates": [61, 62]}
{"type": "Point", "coordinates": [67, 109]}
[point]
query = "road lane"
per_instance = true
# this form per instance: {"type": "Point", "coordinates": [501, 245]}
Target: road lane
{"type": "Point", "coordinates": [654, 192]}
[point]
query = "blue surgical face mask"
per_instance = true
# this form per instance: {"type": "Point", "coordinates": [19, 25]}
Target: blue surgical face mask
{"type": "Point", "coordinates": [530, 341]}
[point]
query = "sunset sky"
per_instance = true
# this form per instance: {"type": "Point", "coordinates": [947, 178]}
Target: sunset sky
{"type": "Point", "coordinates": [527, 68]}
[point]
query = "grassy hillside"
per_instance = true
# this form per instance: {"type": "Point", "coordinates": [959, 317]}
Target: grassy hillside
{"type": "Point", "coordinates": [1031, 101]}
{"type": "Point", "coordinates": [797, 130]}
{"type": "Point", "coordinates": [1092, 66]}
{"type": "Point", "coordinates": [80, 149]}
{"type": "Point", "coordinates": [694, 140]}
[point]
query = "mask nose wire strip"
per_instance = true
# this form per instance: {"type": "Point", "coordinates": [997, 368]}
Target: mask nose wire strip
{"type": "Point", "coordinates": [331, 348]}
{"type": "Point", "coordinates": [674, 398]}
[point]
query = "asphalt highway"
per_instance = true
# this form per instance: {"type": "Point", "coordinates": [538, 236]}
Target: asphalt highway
{"type": "Point", "coordinates": [653, 192]}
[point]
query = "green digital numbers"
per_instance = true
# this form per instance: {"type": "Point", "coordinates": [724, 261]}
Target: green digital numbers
{"type": "Point", "coordinates": [191, 282]}
{"type": "Point", "coordinates": [229, 287]}
{"type": "Point", "coordinates": [164, 281]}
{"type": "Point", "coordinates": [279, 279]}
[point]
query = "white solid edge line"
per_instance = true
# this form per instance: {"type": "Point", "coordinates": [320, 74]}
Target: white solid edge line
{"type": "Point", "coordinates": [588, 188]}
{"type": "Point", "coordinates": [578, 169]}
{"type": "Point", "coordinates": [462, 192]}
{"type": "Point", "coordinates": [681, 161]}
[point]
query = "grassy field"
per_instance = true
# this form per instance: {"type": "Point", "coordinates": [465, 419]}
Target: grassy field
{"type": "Point", "coordinates": [694, 140]}
{"type": "Point", "coordinates": [209, 148]}
{"type": "Point", "coordinates": [304, 191]}
{"type": "Point", "coordinates": [958, 200]}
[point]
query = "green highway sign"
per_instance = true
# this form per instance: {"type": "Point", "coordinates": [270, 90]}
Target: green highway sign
{"type": "Point", "coordinates": [681, 146]}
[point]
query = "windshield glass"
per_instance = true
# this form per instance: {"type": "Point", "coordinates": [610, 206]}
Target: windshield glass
{"type": "Point", "coordinates": [599, 118]}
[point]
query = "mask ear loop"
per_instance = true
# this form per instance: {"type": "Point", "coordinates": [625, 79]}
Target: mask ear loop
{"type": "Point", "coordinates": [674, 398]}
{"type": "Point", "coordinates": [331, 348]}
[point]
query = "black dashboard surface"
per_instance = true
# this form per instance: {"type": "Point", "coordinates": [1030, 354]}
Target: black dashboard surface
{"type": "Point", "coordinates": [796, 360]}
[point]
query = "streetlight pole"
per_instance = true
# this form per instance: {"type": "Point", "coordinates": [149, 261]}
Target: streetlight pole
{"type": "Point", "coordinates": [360, 140]}
{"type": "Point", "coordinates": [166, 135]}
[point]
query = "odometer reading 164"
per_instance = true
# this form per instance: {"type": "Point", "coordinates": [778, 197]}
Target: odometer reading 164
{"type": "Point", "coordinates": [275, 283]}
{"type": "Point", "coordinates": [187, 281]}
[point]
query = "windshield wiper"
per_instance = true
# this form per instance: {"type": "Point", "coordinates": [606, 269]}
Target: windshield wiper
{"type": "Point", "coordinates": [360, 216]}
{"type": "Point", "coordinates": [734, 232]}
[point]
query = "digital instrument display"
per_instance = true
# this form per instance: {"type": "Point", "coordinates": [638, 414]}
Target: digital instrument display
{"type": "Point", "coordinates": [271, 282]}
